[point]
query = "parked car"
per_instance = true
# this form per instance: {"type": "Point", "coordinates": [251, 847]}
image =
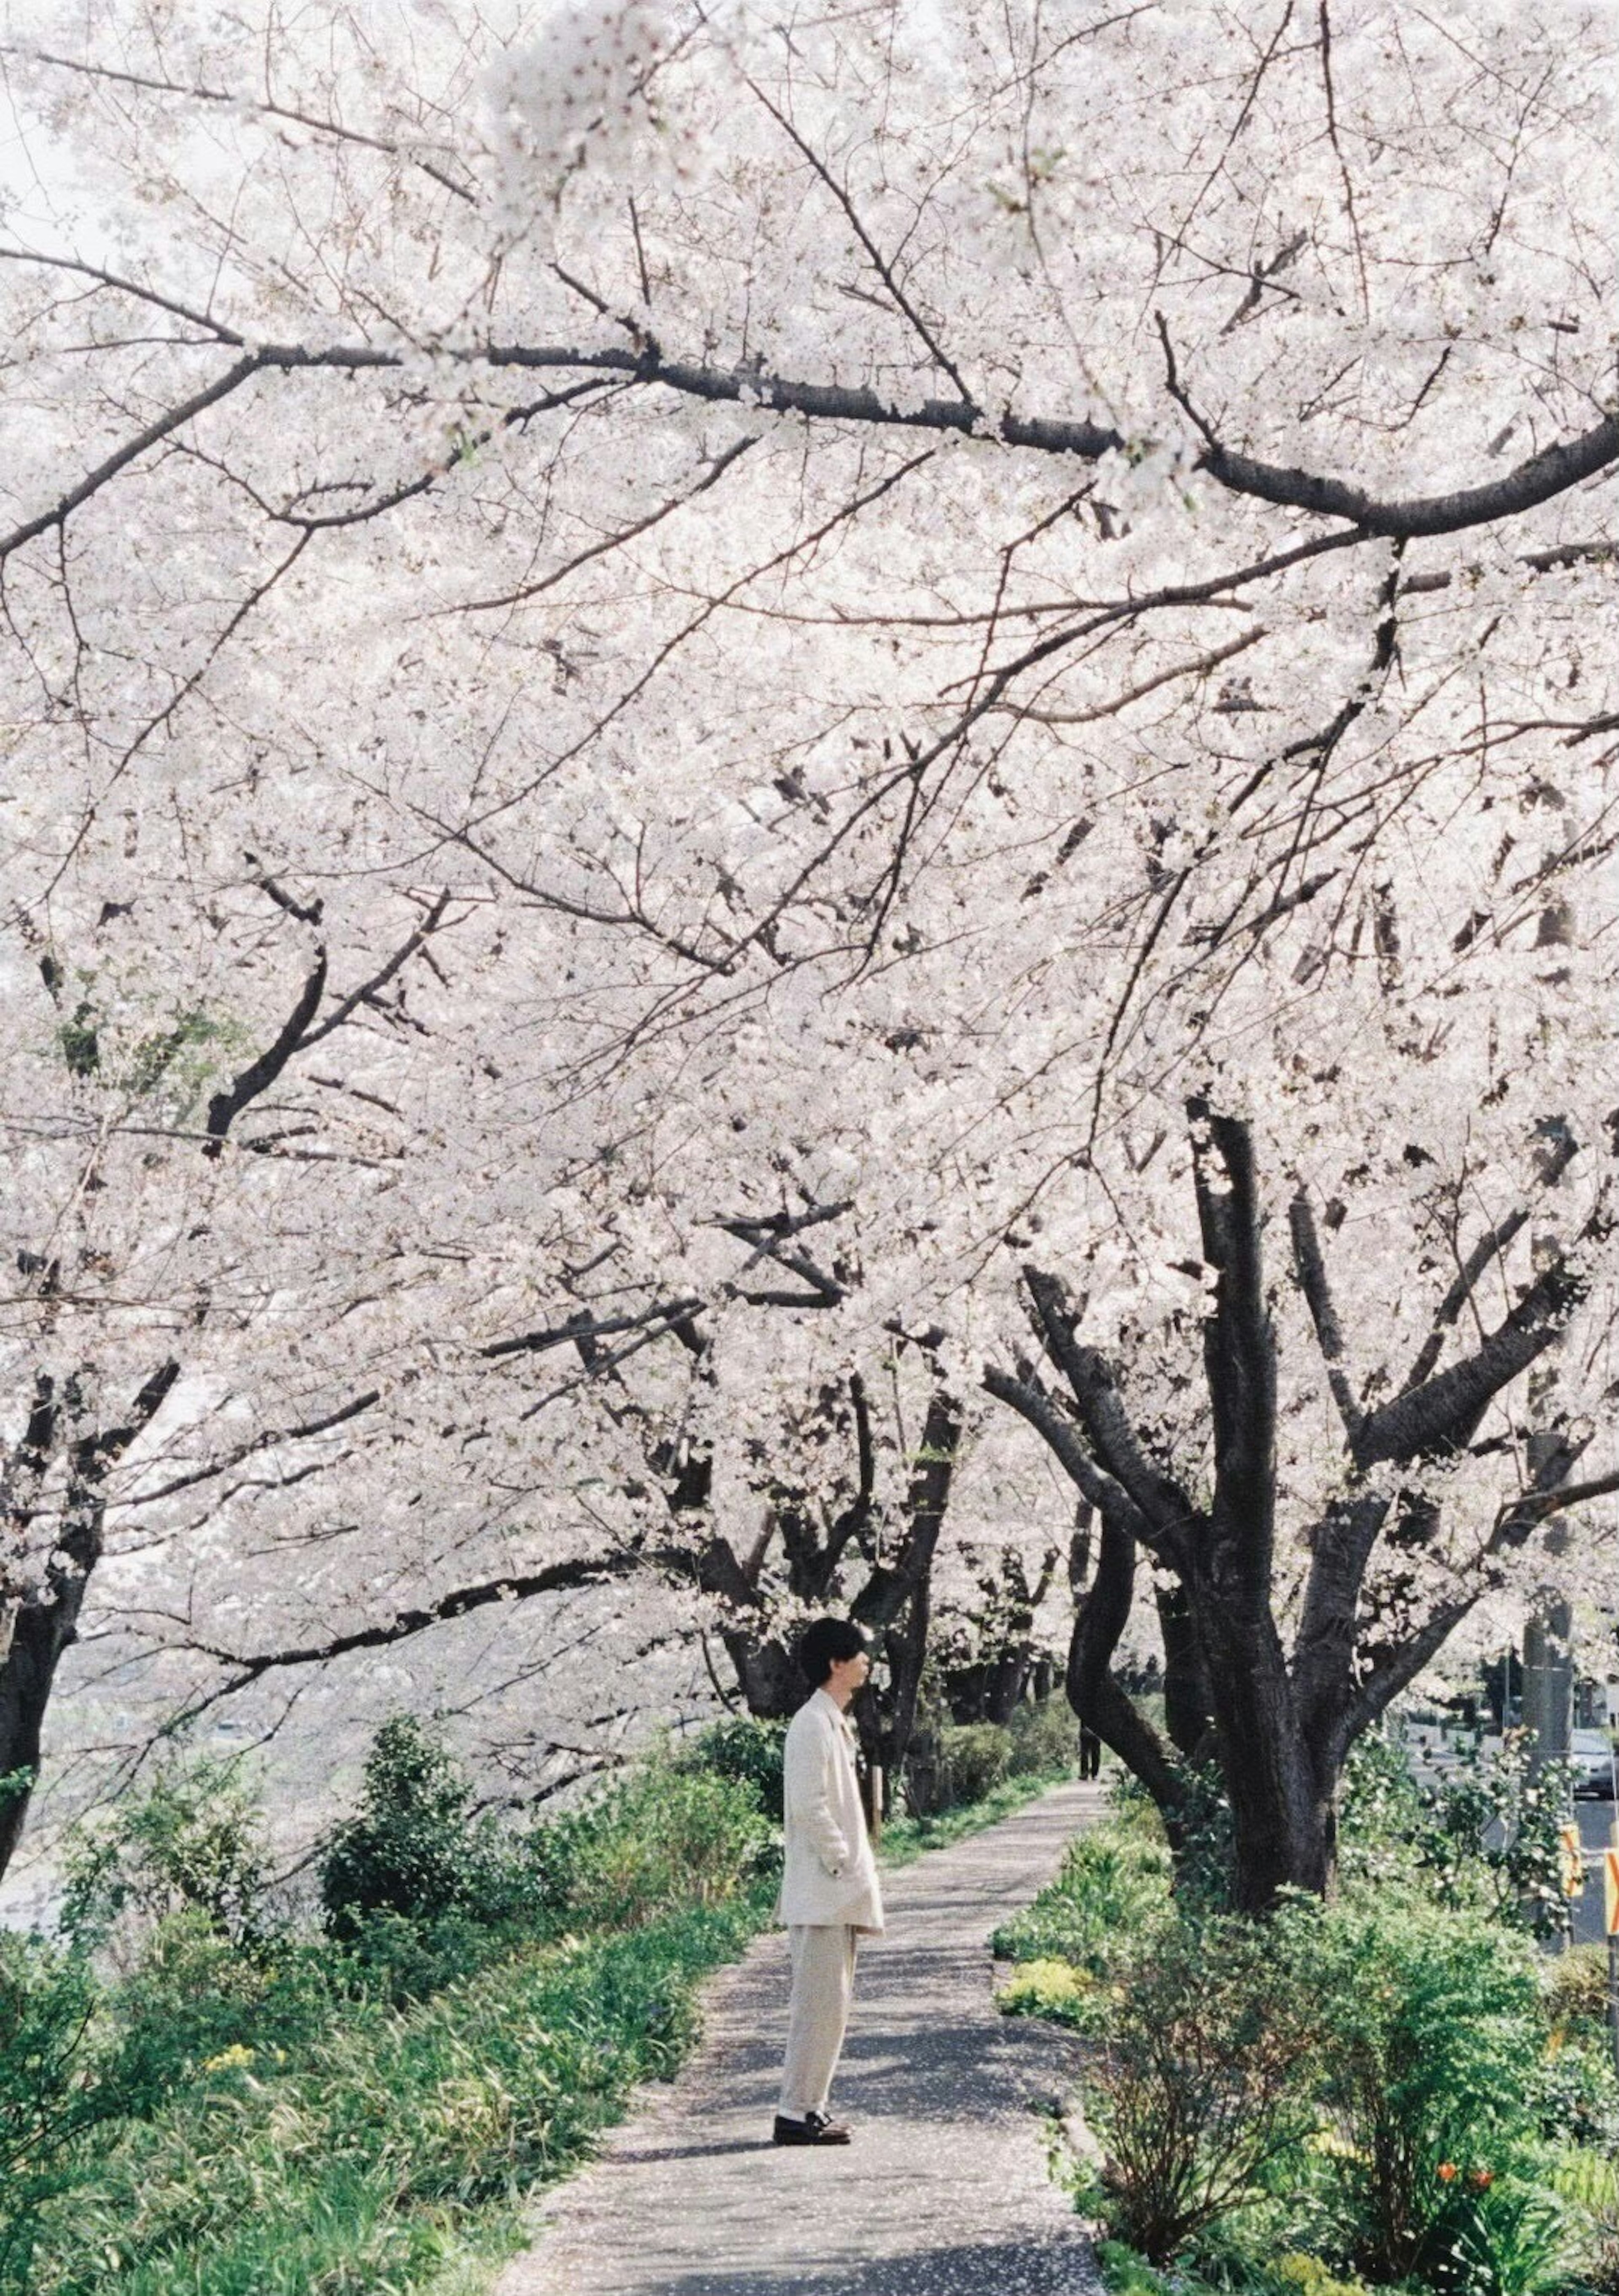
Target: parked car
{"type": "Point", "coordinates": [1591, 1753]}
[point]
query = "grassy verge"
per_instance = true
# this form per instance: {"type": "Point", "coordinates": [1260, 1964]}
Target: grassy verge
{"type": "Point", "coordinates": [384, 2139]}
{"type": "Point", "coordinates": [395, 2155]}
{"type": "Point", "coordinates": [905, 1839]}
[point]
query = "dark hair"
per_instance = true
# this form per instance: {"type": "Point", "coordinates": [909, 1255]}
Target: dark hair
{"type": "Point", "coordinates": [828, 1640]}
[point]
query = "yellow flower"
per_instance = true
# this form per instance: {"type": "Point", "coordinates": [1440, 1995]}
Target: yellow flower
{"type": "Point", "coordinates": [238, 2054]}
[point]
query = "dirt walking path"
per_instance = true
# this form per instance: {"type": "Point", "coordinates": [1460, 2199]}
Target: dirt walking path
{"type": "Point", "coordinates": [945, 2189]}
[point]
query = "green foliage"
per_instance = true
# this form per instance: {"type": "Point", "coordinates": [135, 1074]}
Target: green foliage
{"type": "Point", "coordinates": [1299, 2275]}
{"type": "Point", "coordinates": [1485, 1838]}
{"type": "Point", "coordinates": [1204, 1849]}
{"type": "Point", "coordinates": [193, 1996]}
{"type": "Point", "coordinates": [1055, 1990]}
{"type": "Point", "coordinates": [974, 1758]}
{"type": "Point", "coordinates": [1124, 2273]}
{"type": "Point", "coordinates": [172, 1064]}
{"type": "Point", "coordinates": [414, 1848]}
{"type": "Point", "coordinates": [1045, 1740]}
{"type": "Point", "coordinates": [1112, 1892]}
{"type": "Point", "coordinates": [369, 2162]}
{"type": "Point", "coordinates": [1430, 2045]}
{"type": "Point", "coordinates": [47, 2092]}
{"type": "Point", "coordinates": [746, 1749]}
{"type": "Point", "coordinates": [1204, 2085]}
{"type": "Point", "coordinates": [907, 1837]}
{"type": "Point", "coordinates": [1587, 2184]}
{"type": "Point", "coordinates": [1574, 1990]}
{"type": "Point", "coordinates": [659, 1836]}
{"type": "Point", "coordinates": [193, 1842]}
{"type": "Point", "coordinates": [1489, 2238]}
{"type": "Point", "coordinates": [288, 2114]}
{"type": "Point", "coordinates": [1574, 2093]}
{"type": "Point", "coordinates": [1339, 2056]}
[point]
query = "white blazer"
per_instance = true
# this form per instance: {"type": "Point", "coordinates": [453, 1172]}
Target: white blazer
{"type": "Point", "coordinates": [830, 1875]}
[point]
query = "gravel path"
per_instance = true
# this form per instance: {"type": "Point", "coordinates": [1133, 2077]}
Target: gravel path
{"type": "Point", "coordinates": [944, 2191]}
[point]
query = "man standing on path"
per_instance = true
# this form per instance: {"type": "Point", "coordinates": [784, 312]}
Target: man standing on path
{"type": "Point", "coordinates": [829, 1896]}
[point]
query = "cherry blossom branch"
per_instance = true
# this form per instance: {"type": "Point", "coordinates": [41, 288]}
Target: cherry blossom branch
{"type": "Point", "coordinates": [515, 1586]}
{"type": "Point", "coordinates": [199, 91]}
{"type": "Point", "coordinates": [1491, 1247]}
{"type": "Point", "coordinates": [1166, 1509]}
{"type": "Point", "coordinates": [1541, 478]}
{"type": "Point", "coordinates": [270, 1438]}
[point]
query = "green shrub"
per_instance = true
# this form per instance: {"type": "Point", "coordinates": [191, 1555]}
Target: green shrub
{"type": "Point", "coordinates": [1124, 2273]}
{"type": "Point", "coordinates": [193, 1995]}
{"type": "Point", "coordinates": [1204, 2084]}
{"type": "Point", "coordinates": [192, 1843]}
{"type": "Point", "coordinates": [50, 2094]}
{"type": "Point", "coordinates": [1045, 1740]}
{"type": "Point", "coordinates": [660, 1837]}
{"type": "Point", "coordinates": [1057, 1991]}
{"type": "Point", "coordinates": [974, 1759]}
{"type": "Point", "coordinates": [1588, 2185]}
{"type": "Point", "coordinates": [1113, 1890]}
{"type": "Point", "coordinates": [1299, 2275]}
{"type": "Point", "coordinates": [1574, 1990]}
{"type": "Point", "coordinates": [1490, 2238]}
{"type": "Point", "coordinates": [400, 1958]}
{"type": "Point", "coordinates": [1431, 2044]}
{"type": "Point", "coordinates": [1573, 2094]}
{"type": "Point", "coordinates": [746, 1749]}
{"type": "Point", "coordinates": [414, 1848]}
{"type": "Point", "coordinates": [1485, 1838]}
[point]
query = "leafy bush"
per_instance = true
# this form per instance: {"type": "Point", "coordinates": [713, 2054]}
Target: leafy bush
{"type": "Point", "coordinates": [1587, 2184]}
{"type": "Point", "coordinates": [1574, 2093]}
{"type": "Point", "coordinates": [907, 1837]}
{"type": "Point", "coordinates": [192, 1843]}
{"type": "Point", "coordinates": [1053, 1989]}
{"type": "Point", "coordinates": [49, 2096]}
{"type": "Point", "coordinates": [662, 1836]}
{"type": "Point", "coordinates": [1299, 2275]}
{"type": "Point", "coordinates": [1112, 1892]}
{"type": "Point", "coordinates": [1124, 2273]}
{"type": "Point", "coordinates": [1203, 2086]}
{"type": "Point", "coordinates": [414, 1848]}
{"type": "Point", "coordinates": [974, 1758]}
{"type": "Point", "coordinates": [1045, 1740]}
{"type": "Point", "coordinates": [1574, 1990]}
{"type": "Point", "coordinates": [193, 1995]}
{"type": "Point", "coordinates": [1488, 2238]}
{"type": "Point", "coordinates": [746, 1749]}
{"type": "Point", "coordinates": [1430, 2047]}
{"type": "Point", "coordinates": [1485, 1838]}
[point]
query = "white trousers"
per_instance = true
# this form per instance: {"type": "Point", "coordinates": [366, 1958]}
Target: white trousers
{"type": "Point", "coordinates": [817, 2013]}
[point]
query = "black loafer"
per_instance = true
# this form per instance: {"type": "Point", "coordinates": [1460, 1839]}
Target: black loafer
{"type": "Point", "coordinates": [814, 2128]}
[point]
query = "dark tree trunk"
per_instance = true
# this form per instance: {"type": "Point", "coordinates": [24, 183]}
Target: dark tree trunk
{"type": "Point", "coordinates": [1278, 1726]}
{"type": "Point", "coordinates": [45, 1622]}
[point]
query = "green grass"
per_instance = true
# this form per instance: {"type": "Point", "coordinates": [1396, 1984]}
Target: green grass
{"type": "Point", "coordinates": [1114, 1887]}
{"type": "Point", "coordinates": [391, 2147]}
{"type": "Point", "coordinates": [391, 2156]}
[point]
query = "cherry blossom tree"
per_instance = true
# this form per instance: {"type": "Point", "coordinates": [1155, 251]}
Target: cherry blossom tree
{"type": "Point", "coordinates": [936, 588]}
